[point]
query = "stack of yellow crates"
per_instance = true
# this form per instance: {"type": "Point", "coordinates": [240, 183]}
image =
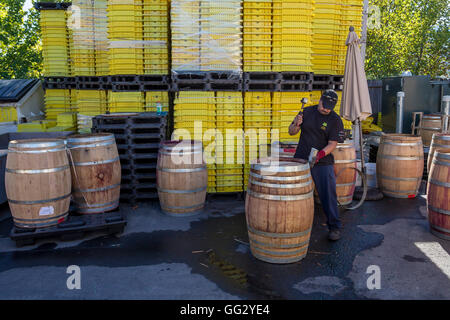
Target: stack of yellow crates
{"type": "Point", "coordinates": [351, 15]}
{"type": "Point", "coordinates": [195, 119]}
{"type": "Point", "coordinates": [230, 142]}
{"type": "Point", "coordinates": [36, 126]}
{"type": "Point", "coordinates": [71, 45]}
{"type": "Point", "coordinates": [257, 125]}
{"type": "Point", "coordinates": [292, 35]}
{"type": "Point", "coordinates": [65, 122]}
{"type": "Point", "coordinates": [152, 98]}
{"type": "Point", "coordinates": [155, 16]}
{"type": "Point", "coordinates": [257, 35]}
{"type": "Point", "coordinates": [285, 106]}
{"type": "Point", "coordinates": [55, 42]}
{"type": "Point", "coordinates": [56, 101]}
{"type": "Point", "coordinates": [332, 20]}
{"type": "Point", "coordinates": [220, 35]}
{"type": "Point", "coordinates": [185, 24]}
{"type": "Point", "coordinates": [83, 54]}
{"type": "Point", "coordinates": [126, 102]}
{"type": "Point", "coordinates": [90, 103]}
{"type": "Point", "coordinates": [101, 37]}
{"type": "Point", "coordinates": [126, 51]}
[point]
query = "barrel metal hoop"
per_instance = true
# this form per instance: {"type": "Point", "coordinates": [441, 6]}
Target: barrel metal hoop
{"type": "Point", "coordinates": [440, 228]}
{"type": "Point", "coordinates": [91, 139]}
{"type": "Point", "coordinates": [43, 219]}
{"type": "Point", "coordinates": [31, 145]}
{"type": "Point", "coordinates": [181, 170]}
{"type": "Point", "coordinates": [274, 253]}
{"type": "Point", "coordinates": [442, 155]}
{"type": "Point", "coordinates": [52, 170]}
{"type": "Point", "coordinates": [280, 198]}
{"type": "Point", "coordinates": [182, 191]}
{"type": "Point", "coordinates": [95, 205]}
{"type": "Point", "coordinates": [431, 129]}
{"type": "Point", "coordinates": [36, 151]}
{"type": "Point", "coordinates": [95, 210]}
{"type": "Point", "coordinates": [266, 168]}
{"type": "Point", "coordinates": [437, 145]}
{"type": "Point", "coordinates": [410, 144]}
{"type": "Point", "coordinates": [98, 189]}
{"type": "Point", "coordinates": [87, 146]}
{"type": "Point", "coordinates": [346, 184]}
{"type": "Point", "coordinates": [445, 164]}
{"type": "Point", "coordinates": [345, 161]}
{"type": "Point", "coordinates": [182, 208]}
{"type": "Point", "coordinates": [438, 210]}
{"type": "Point", "coordinates": [344, 146]}
{"type": "Point", "coordinates": [280, 246]}
{"type": "Point", "coordinates": [40, 201]}
{"type": "Point", "coordinates": [440, 183]}
{"type": "Point", "coordinates": [443, 137]}
{"type": "Point", "coordinates": [400, 179]}
{"type": "Point", "coordinates": [398, 193]}
{"type": "Point", "coordinates": [281, 186]}
{"type": "Point", "coordinates": [93, 163]}
{"type": "Point", "coordinates": [255, 175]}
{"type": "Point", "coordinates": [278, 235]}
{"type": "Point", "coordinates": [272, 260]}
{"type": "Point", "coordinates": [400, 158]}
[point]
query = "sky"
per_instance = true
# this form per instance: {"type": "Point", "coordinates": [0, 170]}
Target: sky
{"type": "Point", "coordinates": [27, 5]}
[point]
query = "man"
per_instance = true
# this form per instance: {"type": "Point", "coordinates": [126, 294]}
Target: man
{"type": "Point", "coordinates": [322, 129]}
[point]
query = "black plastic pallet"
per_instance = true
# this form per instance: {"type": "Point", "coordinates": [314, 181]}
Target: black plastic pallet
{"type": "Point", "coordinates": [306, 77]}
{"type": "Point", "coordinates": [60, 83]}
{"type": "Point", "coordinates": [270, 77]}
{"type": "Point", "coordinates": [214, 85]}
{"type": "Point", "coordinates": [52, 6]}
{"type": "Point", "coordinates": [75, 227]}
{"type": "Point", "coordinates": [264, 86]}
{"type": "Point", "coordinates": [206, 76]}
{"type": "Point", "coordinates": [296, 87]}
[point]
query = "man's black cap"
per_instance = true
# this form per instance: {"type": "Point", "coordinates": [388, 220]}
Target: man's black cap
{"type": "Point", "coordinates": [329, 99]}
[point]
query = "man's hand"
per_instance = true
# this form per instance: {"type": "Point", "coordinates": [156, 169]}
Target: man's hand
{"type": "Point", "coordinates": [298, 120]}
{"type": "Point", "coordinates": [321, 154]}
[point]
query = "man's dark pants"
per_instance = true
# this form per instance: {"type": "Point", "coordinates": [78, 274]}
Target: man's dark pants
{"type": "Point", "coordinates": [325, 181]}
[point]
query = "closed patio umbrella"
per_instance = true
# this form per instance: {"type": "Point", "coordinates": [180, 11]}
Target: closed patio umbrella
{"type": "Point", "coordinates": [355, 104]}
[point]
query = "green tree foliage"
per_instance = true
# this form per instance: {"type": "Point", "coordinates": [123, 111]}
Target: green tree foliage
{"type": "Point", "coordinates": [413, 35]}
{"type": "Point", "coordinates": [20, 48]}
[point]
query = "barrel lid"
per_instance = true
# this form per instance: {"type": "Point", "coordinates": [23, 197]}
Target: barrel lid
{"type": "Point", "coordinates": [401, 137]}
{"type": "Point", "coordinates": [280, 166]}
{"type": "Point", "coordinates": [36, 143]}
{"type": "Point", "coordinates": [89, 137]}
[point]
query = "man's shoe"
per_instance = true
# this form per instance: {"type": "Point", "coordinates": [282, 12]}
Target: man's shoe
{"type": "Point", "coordinates": [334, 235]}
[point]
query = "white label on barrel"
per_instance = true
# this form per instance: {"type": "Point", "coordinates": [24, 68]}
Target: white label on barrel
{"type": "Point", "coordinates": [46, 211]}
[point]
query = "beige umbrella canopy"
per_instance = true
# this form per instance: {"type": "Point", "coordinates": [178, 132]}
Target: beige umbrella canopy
{"type": "Point", "coordinates": [355, 104]}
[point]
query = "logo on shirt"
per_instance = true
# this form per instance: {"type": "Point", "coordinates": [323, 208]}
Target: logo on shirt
{"type": "Point", "coordinates": [324, 126]}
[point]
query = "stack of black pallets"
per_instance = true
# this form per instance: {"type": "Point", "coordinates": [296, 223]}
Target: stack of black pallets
{"type": "Point", "coordinates": [138, 137]}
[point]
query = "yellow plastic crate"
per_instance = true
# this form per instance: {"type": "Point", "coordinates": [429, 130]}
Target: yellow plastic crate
{"type": "Point", "coordinates": [8, 114]}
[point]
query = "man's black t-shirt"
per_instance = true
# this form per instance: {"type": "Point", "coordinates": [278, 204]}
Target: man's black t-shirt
{"type": "Point", "coordinates": [317, 131]}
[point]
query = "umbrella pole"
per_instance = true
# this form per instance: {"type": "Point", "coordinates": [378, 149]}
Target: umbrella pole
{"type": "Point", "coordinates": [361, 144]}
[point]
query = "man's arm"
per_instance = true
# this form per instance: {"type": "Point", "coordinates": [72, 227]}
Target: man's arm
{"type": "Point", "coordinates": [295, 126]}
{"type": "Point", "coordinates": [327, 150]}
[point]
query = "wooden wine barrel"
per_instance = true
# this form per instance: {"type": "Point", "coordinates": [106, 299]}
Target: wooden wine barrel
{"type": "Point", "coordinates": [400, 165]}
{"type": "Point", "coordinates": [439, 141]}
{"type": "Point", "coordinates": [279, 210]}
{"type": "Point", "coordinates": [431, 124]}
{"type": "Point", "coordinates": [182, 178]}
{"type": "Point", "coordinates": [344, 165]}
{"type": "Point", "coordinates": [438, 194]}
{"type": "Point", "coordinates": [96, 172]}
{"type": "Point", "coordinates": [38, 182]}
